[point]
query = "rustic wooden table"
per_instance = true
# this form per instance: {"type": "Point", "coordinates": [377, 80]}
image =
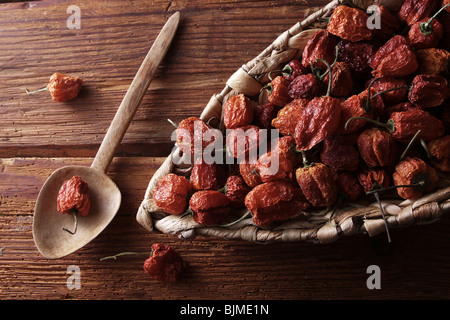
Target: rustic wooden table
{"type": "Point", "coordinates": [38, 136]}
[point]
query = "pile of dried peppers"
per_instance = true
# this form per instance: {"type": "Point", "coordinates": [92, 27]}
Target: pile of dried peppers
{"type": "Point", "coordinates": [361, 112]}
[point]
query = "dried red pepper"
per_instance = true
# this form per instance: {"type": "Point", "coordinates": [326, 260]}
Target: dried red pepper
{"type": "Point", "coordinates": [275, 165]}
{"type": "Point", "coordinates": [190, 135]}
{"type": "Point", "coordinates": [357, 56]}
{"type": "Point", "coordinates": [293, 69]}
{"type": "Point", "coordinates": [429, 90]}
{"type": "Point", "coordinates": [426, 33]}
{"type": "Point", "coordinates": [342, 82]}
{"type": "Point", "coordinates": [349, 186]}
{"type": "Point", "coordinates": [209, 207]}
{"type": "Point", "coordinates": [243, 142]}
{"type": "Point", "coordinates": [395, 58]}
{"type": "Point", "coordinates": [236, 189]}
{"type": "Point", "coordinates": [404, 125]}
{"type": "Point", "coordinates": [322, 45]}
{"type": "Point", "coordinates": [394, 90]}
{"type": "Point", "coordinates": [171, 193]}
{"type": "Point", "coordinates": [433, 61]}
{"type": "Point", "coordinates": [413, 178]}
{"type": "Point", "coordinates": [288, 117]}
{"type": "Point", "coordinates": [264, 114]}
{"type": "Point", "coordinates": [319, 119]}
{"type": "Point", "coordinates": [279, 91]}
{"type": "Point", "coordinates": [350, 24]}
{"type": "Point", "coordinates": [373, 179]}
{"type": "Point", "coordinates": [416, 10]}
{"type": "Point", "coordinates": [247, 169]}
{"type": "Point", "coordinates": [164, 263]}
{"type": "Point", "coordinates": [275, 201]}
{"type": "Point", "coordinates": [62, 87]}
{"type": "Point", "coordinates": [440, 153]}
{"type": "Point", "coordinates": [339, 152]}
{"type": "Point", "coordinates": [317, 183]}
{"type": "Point", "coordinates": [208, 176]}
{"type": "Point", "coordinates": [305, 86]}
{"type": "Point", "coordinates": [359, 105]}
{"type": "Point", "coordinates": [389, 23]}
{"type": "Point", "coordinates": [377, 148]}
{"type": "Point", "coordinates": [237, 111]}
{"type": "Point", "coordinates": [74, 198]}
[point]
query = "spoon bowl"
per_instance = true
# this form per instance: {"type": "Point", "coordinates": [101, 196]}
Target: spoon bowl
{"type": "Point", "coordinates": [50, 238]}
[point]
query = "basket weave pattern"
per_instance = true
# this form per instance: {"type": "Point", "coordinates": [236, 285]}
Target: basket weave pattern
{"type": "Point", "coordinates": [351, 219]}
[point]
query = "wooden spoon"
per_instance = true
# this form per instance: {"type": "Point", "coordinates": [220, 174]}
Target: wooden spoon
{"type": "Point", "coordinates": [50, 238]}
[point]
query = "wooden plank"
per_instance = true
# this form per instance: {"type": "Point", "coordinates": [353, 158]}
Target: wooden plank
{"type": "Point", "coordinates": [215, 38]}
{"type": "Point", "coordinates": [218, 269]}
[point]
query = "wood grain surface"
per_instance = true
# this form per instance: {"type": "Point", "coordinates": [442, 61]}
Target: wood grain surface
{"type": "Point", "coordinates": [38, 136]}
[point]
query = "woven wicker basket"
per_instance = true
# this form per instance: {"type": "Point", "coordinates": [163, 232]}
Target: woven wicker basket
{"type": "Point", "coordinates": [351, 219]}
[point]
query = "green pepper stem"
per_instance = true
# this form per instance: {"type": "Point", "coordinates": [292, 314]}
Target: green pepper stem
{"type": "Point", "coordinates": [330, 71]}
{"type": "Point", "coordinates": [390, 126]}
{"type": "Point", "coordinates": [414, 185]}
{"type": "Point", "coordinates": [383, 216]}
{"type": "Point", "coordinates": [368, 105]}
{"type": "Point", "coordinates": [74, 213]}
{"type": "Point", "coordinates": [389, 90]}
{"type": "Point", "coordinates": [125, 254]}
{"type": "Point", "coordinates": [425, 27]}
{"type": "Point", "coordinates": [321, 77]}
{"type": "Point", "coordinates": [39, 90]}
{"type": "Point", "coordinates": [410, 144]}
{"type": "Point", "coordinates": [172, 123]}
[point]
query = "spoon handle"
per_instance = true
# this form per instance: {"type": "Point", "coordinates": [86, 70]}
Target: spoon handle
{"type": "Point", "coordinates": [134, 95]}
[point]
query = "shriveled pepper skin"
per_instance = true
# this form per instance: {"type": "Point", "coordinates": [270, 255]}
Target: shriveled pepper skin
{"type": "Point", "coordinates": [63, 87]}
{"type": "Point", "coordinates": [171, 193]}
{"type": "Point", "coordinates": [274, 165]}
{"type": "Point", "coordinates": [322, 45]}
{"type": "Point", "coordinates": [243, 142]}
{"type": "Point", "coordinates": [237, 112]}
{"type": "Point", "coordinates": [377, 148]}
{"type": "Point", "coordinates": [349, 186]}
{"type": "Point", "coordinates": [342, 82]}
{"type": "Point", "coordinates": [264, 114]}
{"type": "Point", "coordinates": [412, 171]}
{"type": "Point", "coordinates": [294, 69]}
{"type": "Point", "coordinates": [236, 189]}
{"type": "Point", "coordinates": [339, 153]}
{"type": "Point", "coordinates": [395, 58]}
{"type": "Point", "coordinates": [416, 10]}
{"type": "Point", "coordinates": [164, 264]}
{"type": "Point", "coordinates": [279, 91]}
{"type": "Point", "coordinates": [305, 86]}
{"type": "Point", "coordinates": [440, 153]}
{"type": "Point", "coordinates": [418, 40]}
{"type": "Point", "coordinates": [388, 83]}
{"type": "Point", "coordinates": [433, 61]}
{"type": "Point", "coordinates": [189, 134]}
{"type": "Point", "coordinates": [74, 195]}
{"type": "Point", "coordinates": [317, 184]}
{"type": "Point", "coordinates": [349, 24]}
{"type": "Point", "coordinates": [357, 56]}
{"type": "Point", "coordinates": [275, 201]}
{"type": "Point", "coordinates": [247, 169]}
{"type": "Point", "coordinates": [319, 119]}
{"type": "Point", "coordinates": [407, 123]}
{"type": "Point", "coordinates": [288, 117]}
{"type": "Point", "coordinates": [372, 179]}
{"type": "Point", "coordinates": [209, 207]}
{"type": "Point", "coordinates": [205, 176]}
{"type": "Point", "coordinates": [429, 90]}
